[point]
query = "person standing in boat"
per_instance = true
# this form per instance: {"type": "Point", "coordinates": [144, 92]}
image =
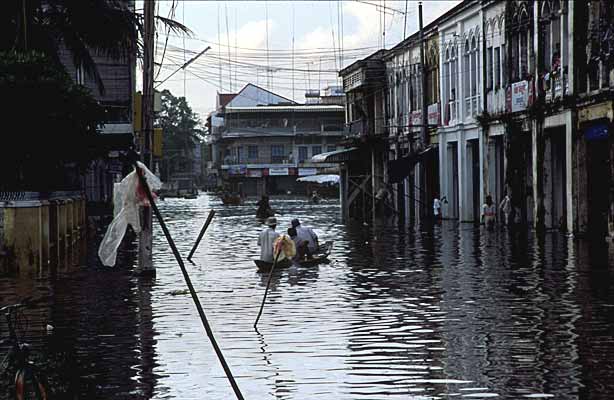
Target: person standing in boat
{"type": "Point", "coordinates": [264, 208]}
{"type": "Point", "coordinates": [267, 238]}
{"type": "Point", "coordinates": [305, 234]}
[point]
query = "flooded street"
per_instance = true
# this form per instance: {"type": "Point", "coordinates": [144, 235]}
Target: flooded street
{"type": "Point", "coordinates": [450, 311]}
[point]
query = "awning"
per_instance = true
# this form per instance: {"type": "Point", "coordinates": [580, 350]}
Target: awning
{"type": "Point", "coordinates": [321, 179]}
{"type": "Point", "coordinates": [336, 156]}
{"type": "Point", "coordinates": [399, 169]}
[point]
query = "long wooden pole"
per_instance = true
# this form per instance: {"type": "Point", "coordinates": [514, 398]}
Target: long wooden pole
{"type": "Point", "coordinates": [188, 282]}
{"type": "Point", "coordinates": [202, 232]}
{"type": "Point", "coordinates": [145, 237]}
{"type": "Point", "coordinates": [268, 284]}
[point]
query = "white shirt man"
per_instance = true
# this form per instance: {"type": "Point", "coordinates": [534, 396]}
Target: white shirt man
{"type": "Point", "coordinates": [307, 234]}
{"type": "Point", "coordinates": [266, 239]}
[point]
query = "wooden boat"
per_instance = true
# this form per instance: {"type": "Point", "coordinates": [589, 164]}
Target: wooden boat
{"type": "Point", "coordinates": [321, 257]}
{"type": "Point", "coordinates": [263, 217]}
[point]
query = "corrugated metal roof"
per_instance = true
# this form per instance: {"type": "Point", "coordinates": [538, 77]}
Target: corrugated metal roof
{"type": "Point", "coordinates": [301, 108]}
{"type": "Point", "coordinates": [334, 156]}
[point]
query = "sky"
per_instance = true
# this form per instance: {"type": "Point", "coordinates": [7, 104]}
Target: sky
{"type": "Point", "coordinates": [287, 47]}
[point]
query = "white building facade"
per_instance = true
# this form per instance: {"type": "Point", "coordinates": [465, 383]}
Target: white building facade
{"type": "Point", "coordinates": [460, 136]}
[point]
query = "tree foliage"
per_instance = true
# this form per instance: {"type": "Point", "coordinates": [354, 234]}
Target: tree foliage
{"type": "Point", "coordinates": [52, 119]}
{"type": "Point", "coordinates": [182, 130]}
{"type": "Point", "coordinates": [111, 28]}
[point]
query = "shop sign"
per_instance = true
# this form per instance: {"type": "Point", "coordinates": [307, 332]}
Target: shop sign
{"type": "Point", "coordinates": [520, 96]}
{"type": "Point", "coordinates": [237, 170]}
{"type": "Point", "coordinates": [307, 171]}
{"type": "Point", "coordinates": [254, 173]}
{"type": "Point", "coordinates": [278, 171]}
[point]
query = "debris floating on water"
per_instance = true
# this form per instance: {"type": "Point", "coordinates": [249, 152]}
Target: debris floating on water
{"type": "Point", "coordinates": [179, 292]}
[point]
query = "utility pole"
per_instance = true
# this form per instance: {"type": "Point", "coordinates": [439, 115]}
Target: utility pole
{"type": "Point", "coordinates": [145, 237]}
{"type": "Point", "coordinates": [425, 131]}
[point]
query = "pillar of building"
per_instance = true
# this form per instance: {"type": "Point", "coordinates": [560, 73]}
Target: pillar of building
{"type": "Point", "coordinates": [343, 192]}
{"type": "Point", "coordinates": [463, 177]}
{"type": "Point", "coordinates": [45, 236]}
{"type": "Point", "coordinates": [537, 157]}
{"type": "Point", "coordinates": [611, 192]}
{"type": "Point", "coordinates": [569, 186]}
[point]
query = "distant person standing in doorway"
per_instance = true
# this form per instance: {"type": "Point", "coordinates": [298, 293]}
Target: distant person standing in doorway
{"type": "Point", "coordinates": [489, 212]}
{"type": "Point", "coordinates": [437, 209]}
{"type": "Point", "coordinates": [506, 208]}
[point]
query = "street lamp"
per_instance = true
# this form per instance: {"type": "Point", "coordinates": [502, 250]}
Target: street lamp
{"type": "Point", "coordinates": [190, 61]}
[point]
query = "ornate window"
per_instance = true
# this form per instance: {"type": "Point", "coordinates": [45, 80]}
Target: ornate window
{"type": "Point", "coordinates": [432, 74]}
{"type": "Point", "coordinates": [552, 31]}
{"type": "Point", "coordinates": [599, 43]}
{"type": "Point", "coordinates": [467, 70]}
{"type": "Point", "coordinates": [519, 27]}
{"type": "Point", "coordinates": [450, 83]}
{"type": "Point", "coordinates": [475, 68]}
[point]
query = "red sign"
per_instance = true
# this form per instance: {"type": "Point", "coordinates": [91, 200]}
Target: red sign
{"type": "Point", "coordinates": [416, 118]}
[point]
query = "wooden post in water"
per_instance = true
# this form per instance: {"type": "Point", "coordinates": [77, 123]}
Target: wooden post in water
{"type": "Point", "coordinates": [202, 232]}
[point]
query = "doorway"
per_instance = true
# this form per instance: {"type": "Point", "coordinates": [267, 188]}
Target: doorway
{"type": "Point", "coordinates": [452, 184]}
{"type": "Point", "coordinates": [598, 181]}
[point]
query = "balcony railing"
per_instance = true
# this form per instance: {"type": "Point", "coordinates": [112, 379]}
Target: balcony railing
{"type": "Point", "coordinates": [451, 112]}
{"type": "Point", "coordinates": [259, 160]}
{"type": "Point", "coordinates": [555, 85]}
{"type": "Point", "coordinates": [471, 106]}
{"type": "Point", "coordinates": [357, 128]}
{"type": "Point", "coordinates": [323, 130]}
{"type": "Point", "coordinates": [495, 101]}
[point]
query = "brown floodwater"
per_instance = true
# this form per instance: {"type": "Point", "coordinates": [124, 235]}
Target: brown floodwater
{"type": "Point", "coordinates": [416, 312]}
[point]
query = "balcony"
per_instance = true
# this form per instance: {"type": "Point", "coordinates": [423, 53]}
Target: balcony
{"type": "Point", "coordinates": [284, 127]}
{"type": "Point", "coordinates": [495, 101]}
{"type": "Point", "coordinates": [555, 85]}
{"type": "Point", "coordinates": [357, 128]}
{"type": "Point", "coordinates": [277, 160]}
{"type": "Point", "coordinates": [451, 113]}
{"type": "Point", "coordinates": [472, 106]}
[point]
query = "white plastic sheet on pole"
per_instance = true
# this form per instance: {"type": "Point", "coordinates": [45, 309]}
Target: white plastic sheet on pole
{"type": "Point", "coordinates": [127, 198]}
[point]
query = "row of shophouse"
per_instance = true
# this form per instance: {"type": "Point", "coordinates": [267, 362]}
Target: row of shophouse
{"type": "Point", "coordinates": [518, 97]}
{"type": "Point", "coordinates": [261, 142]}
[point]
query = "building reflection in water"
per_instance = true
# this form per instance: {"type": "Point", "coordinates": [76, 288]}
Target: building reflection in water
{"type": "Point", "coordinates": [417, 312]}
{"type": "Point", "coordinates": [95, 349]}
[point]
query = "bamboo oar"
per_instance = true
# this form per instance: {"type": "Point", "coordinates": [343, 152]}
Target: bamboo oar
{"type": "Point", "coordinates": [188, 281]}
{"type": "Point", "coordinates": [202, 232]}
{"type": "Point", "coordinates": [268, 283]}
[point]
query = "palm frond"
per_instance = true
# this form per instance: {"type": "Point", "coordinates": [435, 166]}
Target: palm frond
{"type": "Point", "coordinates": [174, 26]}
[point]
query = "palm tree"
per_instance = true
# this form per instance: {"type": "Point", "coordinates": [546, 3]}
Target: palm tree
{"type": "Point", "coordinates": [111, 28]}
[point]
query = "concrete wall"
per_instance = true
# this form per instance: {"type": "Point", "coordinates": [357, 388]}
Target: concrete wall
{"type": "Point", "coordinates": [41, 236]}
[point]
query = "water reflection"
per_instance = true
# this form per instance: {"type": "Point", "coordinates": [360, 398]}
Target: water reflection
{"type": "Point", "coordinates": [100, 344]}
{"type": "Point", "coordinates": [413, 312]}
